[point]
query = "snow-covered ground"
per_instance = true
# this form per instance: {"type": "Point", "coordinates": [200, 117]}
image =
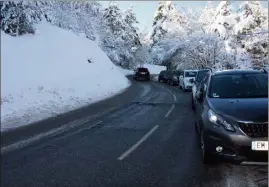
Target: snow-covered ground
{"type": "Point", "coordinates": [48, 73]}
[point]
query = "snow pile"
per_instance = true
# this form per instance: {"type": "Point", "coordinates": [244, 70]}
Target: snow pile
{"type": "Point", "coordinates": [52, 72]}
{"type": "Point", "coordinates": [126, 72]}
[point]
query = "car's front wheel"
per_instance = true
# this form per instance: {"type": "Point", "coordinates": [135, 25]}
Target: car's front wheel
{"type": "Point", "coordinates": [206, 156]}
{"type": "Point", "coordinates": [192, 103]}
{"type": "Point", "coordinates": [184, 89]}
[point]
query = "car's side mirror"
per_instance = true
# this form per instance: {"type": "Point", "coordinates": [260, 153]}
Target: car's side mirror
{"type": "Point", "coordinates": [199, 95]}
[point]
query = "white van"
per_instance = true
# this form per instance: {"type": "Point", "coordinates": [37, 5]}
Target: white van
{"type": "Point", "coordinates": [185, 79]}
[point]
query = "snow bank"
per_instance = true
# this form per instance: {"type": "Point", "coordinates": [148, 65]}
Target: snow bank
{"type": "Point", "coordinates": [48, 73]}
{"type": "Point", "coordinates": [154, 69]}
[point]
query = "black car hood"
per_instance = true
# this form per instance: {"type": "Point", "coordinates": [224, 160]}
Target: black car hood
{"type": "Point", "coordinates": [247, 109]}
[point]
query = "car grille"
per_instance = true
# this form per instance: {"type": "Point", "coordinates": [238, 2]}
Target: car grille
{"type": "Point", "coordinates": [254, 129]}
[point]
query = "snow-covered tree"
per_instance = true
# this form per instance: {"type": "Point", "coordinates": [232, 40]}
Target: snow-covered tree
{"type": "Point", "coordinates": [251, 32]}
{"type": "Point", "coordinates": [19, 17]}
{"type": "Point", "coordinates": [223, 20]}
{"type": "Point", "coordinates": [114, 19]}
{"type": "Point", "coordinates": [168, 22]}
{"type": "Point", "coordinates": [207, 15]}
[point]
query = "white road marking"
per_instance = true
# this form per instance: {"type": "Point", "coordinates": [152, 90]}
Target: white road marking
{"type": "Point", "coordinates": [24, 143]}
{"type": "Point", "coordinates": [246, 163]}
{"type": "Point", "coordinates": [169, 111]}
{"type": "Point", "coordinates": [75, 132]}
{"type": "Point", "coordinates": [175, 99]}
{"type": "Point", "coordinates": [174, 96]}
{"type": "Point", "coordinates": [131, 149]}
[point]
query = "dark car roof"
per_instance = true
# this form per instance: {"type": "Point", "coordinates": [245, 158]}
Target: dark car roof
{"type": "Point", "coordinates": [237, 72]}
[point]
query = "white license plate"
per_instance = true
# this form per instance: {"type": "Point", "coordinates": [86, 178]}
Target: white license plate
{"type": "Point", "coordinates": [259, 145]}
{"type": "Point", "coordinates": [143, 72]}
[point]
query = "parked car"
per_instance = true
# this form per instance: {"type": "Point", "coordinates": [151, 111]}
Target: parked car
{"type": "Point", "coordinates": [185, 78]}
{"type": "Point", "coordinates": [173, 78]}
{"type": "Point", "coordinates": [163, 76]}
{"type": "Point", "coordinates": [232, 115]}
{"type": "Point", "coordinates": [142, 74]}
{"type": "Point", "coordinates": [198, 78]}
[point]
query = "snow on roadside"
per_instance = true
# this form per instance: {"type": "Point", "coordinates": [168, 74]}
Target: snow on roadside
{"type": "Point", "coordinates": [48, 73]}
{"type": "Point", "coordinates": [154, 69]}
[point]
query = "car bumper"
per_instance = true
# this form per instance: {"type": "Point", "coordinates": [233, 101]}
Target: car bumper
{"type": "Point", "coordinates": [175, 82]}
{"type": "Point", "coordinates": [143, 77]}
{"type": "Point", "coordinates": [235, 146]}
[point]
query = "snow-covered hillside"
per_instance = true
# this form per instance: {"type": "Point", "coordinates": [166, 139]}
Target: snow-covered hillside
{"type": "Point", "coordinates": [48, 73]}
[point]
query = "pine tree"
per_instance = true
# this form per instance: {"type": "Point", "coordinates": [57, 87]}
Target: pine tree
{"type": "Point", "coordinates": [207, 15]}
{"type": "Point", "coordinates": [168, 22]}
{"type": "Point", "coordinates": [223, 21]}
{"type": "Point", "coordinates": [252, 32]}
{"type": "Point", "coordinates": [17, 18]}
{"type": "Point", "coordinates": [113, 19]}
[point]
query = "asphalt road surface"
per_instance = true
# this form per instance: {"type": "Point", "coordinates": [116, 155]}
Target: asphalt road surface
{"type": "Point", "coordinates": [143, 137]}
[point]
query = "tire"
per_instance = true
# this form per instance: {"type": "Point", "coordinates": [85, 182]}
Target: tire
{"type": "Point", "coordinates": [207, 157]}
{"type": "Point", "coordinates": [184, 89]}
{"type": "Point", "coordinates": [192, 104]}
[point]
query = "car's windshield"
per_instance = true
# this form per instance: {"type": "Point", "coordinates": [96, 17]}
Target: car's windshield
{"type": "Point", "coordinates": [190, 73]}
{"type": "Point", "coordinates": [200, 75]}
{"type": "Point", "coordinates": [239, 86]}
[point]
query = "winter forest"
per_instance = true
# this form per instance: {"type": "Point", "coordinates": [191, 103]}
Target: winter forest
{"type": "Point", "coordinates": [211, 37]}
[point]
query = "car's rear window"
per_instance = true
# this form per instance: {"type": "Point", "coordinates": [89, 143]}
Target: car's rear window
{"type": "Point", "coordinates": [190, 73]}
{"type": "Point", "coordinates": [239, 86]}
{"type": "Point", "coordinates": [142, 69]}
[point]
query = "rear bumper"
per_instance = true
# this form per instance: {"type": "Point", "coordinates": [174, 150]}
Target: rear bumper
{"type": "Point", "coordinates": [143, 77]}
{"type": "Point", "coordinates": [236, 147]}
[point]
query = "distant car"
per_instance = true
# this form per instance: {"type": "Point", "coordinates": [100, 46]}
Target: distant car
{"type": "Point", "coordinates": [232, 115]}
{"type": "Point", "coordinates": [185, 79]}
{"type": "Point", "coordinates": [198, 78]}
{"type": "Point", "coordinates": [173, 78]}
{"type": "Point", "coordinates": [142, 74]}
{"type": "Point", "coordinates": [163, 76]}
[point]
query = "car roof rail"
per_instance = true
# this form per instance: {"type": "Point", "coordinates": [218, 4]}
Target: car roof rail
{"type": "Point", "coordinates": [209, 69]}
{"type": "Point", "coordinates": [265, 70]}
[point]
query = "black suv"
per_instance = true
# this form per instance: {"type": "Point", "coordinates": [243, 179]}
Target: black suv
{"type": "Point", "coordinates": [169, 77]}
{"type": "Point", "coordinates": [142, 74]}
{"type": "Point", "coordinates": [232, 115]}
{"type": "Point", "coordinates": [163, 76]}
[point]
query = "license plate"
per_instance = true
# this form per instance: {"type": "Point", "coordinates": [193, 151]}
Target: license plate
{"type": "Point", "coordinates": [259, 145]}
{"type": "Point", "coordinates": [143, 73]}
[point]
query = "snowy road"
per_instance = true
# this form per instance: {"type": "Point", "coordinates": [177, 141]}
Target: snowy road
{"type": "Point", "coordinates": [143, 137]}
